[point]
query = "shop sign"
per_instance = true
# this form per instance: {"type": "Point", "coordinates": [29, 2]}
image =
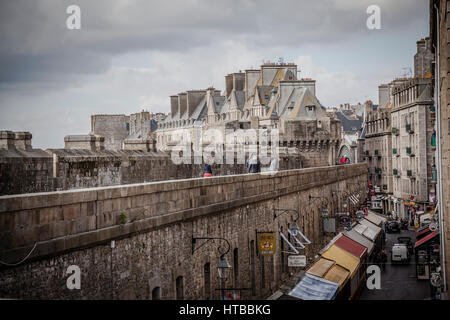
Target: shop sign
{"type": "Point", "coordinates": [329, 225]}
{"type": "Point", "coordinates": [266, 243]}
{"type": "Point", "coordinates": [345, 221]}
{"type": "Point", "coordinates": [297, 261]}
{"type": "Point", "coordinates": [435, 279]}
{"type": "Point", "coordinates": [433, 227]}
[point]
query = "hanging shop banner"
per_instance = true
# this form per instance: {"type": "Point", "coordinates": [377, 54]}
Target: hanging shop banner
{"type": "Point", "coordinates": [266, 243]}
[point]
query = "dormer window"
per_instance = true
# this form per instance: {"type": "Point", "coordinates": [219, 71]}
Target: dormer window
{"type": "Point", "coordinates": [311, 111]}
{"type": "Point", "coordinates": [291, 105]}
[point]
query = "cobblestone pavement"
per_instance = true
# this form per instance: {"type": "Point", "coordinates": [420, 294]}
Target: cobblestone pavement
{"type": "Point", "coordinates": [398, 282]}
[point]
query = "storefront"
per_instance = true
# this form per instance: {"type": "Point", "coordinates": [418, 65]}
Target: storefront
{"type": "Point", "coordinates": [427, 255]}
{"type": "Point", "coordinates": [376, 203]}
{"type": "Point", "coordinates": [386, 204]}
{"type": "Point", "coordinates": [397, 203]}
{"type": "Point", "coordinates": [409, 208]}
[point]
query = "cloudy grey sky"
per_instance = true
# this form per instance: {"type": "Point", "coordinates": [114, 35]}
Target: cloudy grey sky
{"type": "Point", "coordinates": [132, 54]}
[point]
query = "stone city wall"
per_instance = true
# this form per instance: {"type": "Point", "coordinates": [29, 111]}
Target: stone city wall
{"type": "Point", "coordinates": [25, 171]}
{"type": "Point", "coordinates": [64, 169]}
{"type": "Point", "coordinates": [153, 225]}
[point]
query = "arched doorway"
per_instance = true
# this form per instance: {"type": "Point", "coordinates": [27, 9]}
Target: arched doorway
{"type": "Point", "coordinates": [344, 151]}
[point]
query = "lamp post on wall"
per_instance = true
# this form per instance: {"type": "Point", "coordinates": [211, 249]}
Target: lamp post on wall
{"type": "Point", "coordinates": [223, 267]}
{"type": "Point", "coordinates": [282, 211]}
{"type": "Point", "coordinates": [344, 204]}
{"type": "Point", "coordinates": [328, 220]}
{"type": "Point", "coordinates": [324, 204]}
{"type": "Point", "coordinates": [294, 229]}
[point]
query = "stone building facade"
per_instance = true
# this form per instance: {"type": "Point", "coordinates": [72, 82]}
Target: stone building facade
{"type": "Point", "coordinates": [440, 41]}
{"type": "Point", "coordinates": [352, 122]}
{"type": "Point", "coordinates": [378, 152]}
{"type": "Point", "coordinates": [423, 58]}
{"type": "Point", "coordinates": [399, 133]}
{"type": "Point", "coordinates": [413, 155]}
{"type": "Point", "coordinates": [269, 98]}
{"type": "Point", "coordinates": [114, 128]}
{"type": "Point", "coordinates": [127, 132]}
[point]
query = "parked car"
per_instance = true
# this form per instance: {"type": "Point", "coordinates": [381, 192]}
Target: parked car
{"type": "Point", "coordinates": [408, 242]}
{"type": "Point", "coordinates": [393, 226]}
{"type": "Point", "coordinates": [400, 253]}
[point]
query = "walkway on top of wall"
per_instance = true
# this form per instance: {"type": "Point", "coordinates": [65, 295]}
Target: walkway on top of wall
{"type": "Point", "coordinates": [69, 220]}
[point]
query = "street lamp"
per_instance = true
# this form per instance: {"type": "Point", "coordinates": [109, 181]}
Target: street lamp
{"type": "Point", "coordinates": [295, 229]}
{"type": "Point", "coordinates": [223, 268]}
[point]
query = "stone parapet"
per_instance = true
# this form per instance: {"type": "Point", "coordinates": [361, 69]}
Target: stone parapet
{"type": "Point", "coordinates": [6, 140]}
{"type": "Point", "coordinates": [22, 141]}
{"type": "Point", "coordinates": [86, 142]}
{"type": "Point", "coordinates": [69, 220]}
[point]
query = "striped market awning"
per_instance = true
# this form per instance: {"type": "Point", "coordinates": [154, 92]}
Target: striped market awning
{"type": "Point", "coordinates": [354, 199]}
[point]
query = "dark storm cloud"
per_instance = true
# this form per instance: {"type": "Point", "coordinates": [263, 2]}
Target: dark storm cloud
{"type": "Point", "coordinates": [36, 47]}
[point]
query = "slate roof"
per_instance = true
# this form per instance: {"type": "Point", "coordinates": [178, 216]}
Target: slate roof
{"type": "Point", "coordinates": [153, 125]}
{"type": "Point", "coordinates": [198, 113]}
{"type": "Point", "coordinates": [349, 124]}
{"type": "Point", "coordinates": [264, 91]}
{"type": "Point", "coordinates": [220, 104]}
{"type": "Point", "coordinates": [240, 99]}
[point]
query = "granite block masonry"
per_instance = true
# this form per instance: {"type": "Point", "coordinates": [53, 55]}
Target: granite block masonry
{"type": "Point", "coordinates": [152, 225]}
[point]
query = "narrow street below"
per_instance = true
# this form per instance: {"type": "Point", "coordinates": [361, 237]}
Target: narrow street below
{"type": "Point", "coordinates": [398, 281]}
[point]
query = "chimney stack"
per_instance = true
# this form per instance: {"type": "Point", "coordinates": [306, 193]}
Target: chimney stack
{"type": "Point", "coordinates": [173, 105]}
{"type": "Point", "coordinates": [182, 103]}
